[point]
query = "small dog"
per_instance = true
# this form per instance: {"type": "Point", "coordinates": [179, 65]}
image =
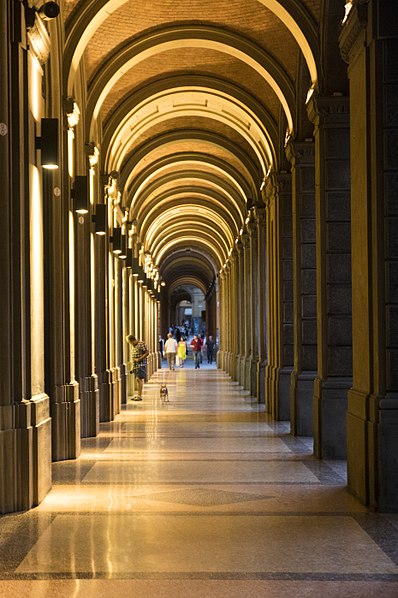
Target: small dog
{"type": "Point", "coordinates": [164, 393]}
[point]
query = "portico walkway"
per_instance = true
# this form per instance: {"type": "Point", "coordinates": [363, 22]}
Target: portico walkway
{"type": "Point", "coordinates": [201, 496]}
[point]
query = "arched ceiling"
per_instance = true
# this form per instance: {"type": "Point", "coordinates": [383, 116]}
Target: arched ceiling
{"type": "Point", "coordinates": [186, 101]}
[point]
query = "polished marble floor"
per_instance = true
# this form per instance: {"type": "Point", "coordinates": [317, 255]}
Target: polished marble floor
{"type": "Point", "coordinates": [202, 496]}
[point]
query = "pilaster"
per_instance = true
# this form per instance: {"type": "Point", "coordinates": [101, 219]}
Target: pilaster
{"type": "Point", "coordinates": [369, 43]}
{"type": "Point", "coordinates": [302, 157]}
{"type": "Point", "coordinates": [262, 298]}
{"type": "Point", "coordinates": [330, 116]}
{"type": "Point", "coordinates": [280, 307]}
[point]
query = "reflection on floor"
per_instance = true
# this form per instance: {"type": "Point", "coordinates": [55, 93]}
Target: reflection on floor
{"type": "Point", "coordinates": [201, 496]}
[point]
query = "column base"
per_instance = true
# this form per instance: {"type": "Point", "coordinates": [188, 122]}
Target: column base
{"type": "Point", "coordinates": [253, 377]}
{"type": "Point", "coordinates": [372, 446]}
{"type": "Point", "coordinates": [65, 412]}
{"type": "Point", "coordinates": [25, 454]}
{"type": "Point", "coordinates": [89, 406]}
{"type": "Point", "coordinates": [247, 373]}
{"type": "Point", "coordinates": [278, 388]}
{"type": "Point", "coordinates": [301, 403]}
{"type": "Point", "coordinates": [330, 413]}
{"type": "Point", "coordinates": [107, 392]}
{"type": "Point", "coordinates": [261, 386]}
{"type": "Point", "coordinates": [123, 383]}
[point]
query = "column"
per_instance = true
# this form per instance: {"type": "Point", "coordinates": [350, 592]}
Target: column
{"type": "Point", "coordinates": [262, 298]}
{"type": "Point", "coordinates": [255, 305]}
{"type": "Point", "coordinates": [369, 43]}
{"type": "Point", "coordinates": [220, 352]}
{"type": "Point", "coordinates": [240, 306]}
{"type": "Point", "coordinates": [280, 310]}
{"type": "Point", "coordinates": [88, 383]}
{"type": "Point", "coordinates": [330, 116]}
{"type": "Point", "coordinates": [246, 313]}
{"type": "Point", "coordinates": [302, 155]}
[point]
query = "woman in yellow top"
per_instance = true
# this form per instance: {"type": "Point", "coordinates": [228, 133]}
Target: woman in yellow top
{"type": "Point", "coordinates": [182, 351]}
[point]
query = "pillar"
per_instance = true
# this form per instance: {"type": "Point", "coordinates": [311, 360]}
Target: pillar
{"type": "Point", "coordinates": [245, 315]}
{"type": "Point", "coordinates": [255, 301]}
{"type": "Point", "coordinates": [369, 43]}
{"type": "Point", "coordinates": [262, 307]}
{"type": "Point", "coordinates": [330, 116]}
{"type": "Point", "coordinates": [280, 308]}
{"type": "Point", "coordinates": [301, 155]}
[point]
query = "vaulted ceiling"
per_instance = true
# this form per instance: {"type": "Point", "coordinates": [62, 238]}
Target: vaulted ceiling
{"type": "Point", "coordinates": [188, 101]}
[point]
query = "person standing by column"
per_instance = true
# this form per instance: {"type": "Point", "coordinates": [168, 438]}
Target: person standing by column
{"type": "Point", "coordinates": [182, 351]}
{"type": "Point", "coordinates": [196, 346]}
{"type": "Point", "coordinates": [210, 349]}
{"type": "Point", "coordinates": [170, 348]}
{"type": "Point", "coordinates": [138, 355]}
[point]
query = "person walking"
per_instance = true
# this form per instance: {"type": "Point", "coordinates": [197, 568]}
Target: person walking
{"type": "Point", "coordinates": [210, 344]}
{"type": "Point", "coordinates": [138, 354]}
{"type": "Point", "coordinates": [196, 346]}
{"type": "Point", "coordinates": [182, 351]}
{"type": "Point", "coordinates": [170, 348]}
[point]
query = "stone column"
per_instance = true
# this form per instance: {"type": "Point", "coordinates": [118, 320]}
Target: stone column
{"type": "Point", "coordinates": [330, 116]}
{"type": "Point", "coordinates": [239, 306]}
{"type": "Point", "coordinates": [246, 313]}
{"type": "Point", "coordinates": [262, 299]}
{"type": "Point", "coordinates": [25, 425]}
{"type": "Point", "coordinates": [254, 306]}
{"type": "Point", "coordinates": [280, 310]}
{"type": "Point", "coordinates": [106, 382]}
{"type": "Point", "coordinates": [220, 352]}
{"type": "Point", "coordinates": [233, 311]}
{"type": "Point", "coordinates": [88, 383]}
{"type": "Point", "coordinates": [302, 155]}
{"type": "Point", "coordinates": [369, 43]}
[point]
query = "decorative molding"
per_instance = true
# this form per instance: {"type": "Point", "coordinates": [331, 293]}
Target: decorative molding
{"type": "Point", "coordinates": [39, 41]}
{"type": "Point", "coordinates": [353, 28]}
{"type": "Point", "coordinates": [301, 152]}
{"type": "Point", "coordinates": [323, 108]}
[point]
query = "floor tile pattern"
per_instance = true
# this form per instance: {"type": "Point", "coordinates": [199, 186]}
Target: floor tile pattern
{"type": "Point", "coordinates": [201, 496]}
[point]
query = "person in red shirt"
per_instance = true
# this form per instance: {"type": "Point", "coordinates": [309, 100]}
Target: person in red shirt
{"type": "Point", "coordinates": [196, 346]}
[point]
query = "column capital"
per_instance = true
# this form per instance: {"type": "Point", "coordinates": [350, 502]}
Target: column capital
{"type": "Point", "coordinates": [353, 34]}
{"type": "Point", "coordinates": [329, 109]}
{"type": "Point", "coordinates": [301, 152]}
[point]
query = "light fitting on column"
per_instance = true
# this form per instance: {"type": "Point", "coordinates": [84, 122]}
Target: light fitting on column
{"type": "Point", "coordinates": [116, 240]}
{"type": "Point", "coordinates": [47, 143]}
{"type": "Point", "coordinates": [123, 247]}
{"type": "Point", "coordinates": [47, 12]}
{"type": "Point", "coordinates": [80, 195]}
{"type": "Point", "coordinates": [100, 219]}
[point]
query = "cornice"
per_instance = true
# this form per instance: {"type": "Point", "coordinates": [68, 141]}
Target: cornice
{"type": "Point", "coordinates": [353, 28]}
{"type": "Point", "coordinates": [328, 108]}
{"type": "Point", "coordinates": [39, 41]}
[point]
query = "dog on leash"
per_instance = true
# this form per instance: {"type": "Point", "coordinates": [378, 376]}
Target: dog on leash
{"type": "Point", "coordinates": [164, 393]}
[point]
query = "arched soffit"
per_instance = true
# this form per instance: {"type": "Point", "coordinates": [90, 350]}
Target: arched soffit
{"type": "Point", "coordinates": [90, 15]}
{"type": "Point", "coordinates": [201, 244]}
{"type": "Point", "coordinates": [176, 37]}
{"type": "Point", "coordinates": [195, 199]}
{"type": "Point", "coordinates": [179, 259]}
{"type": "Point", "coordinates": [174, 230]}
{"type": "Point", "coordinates": [193, 236]}
{"type": "Point", "coordinates": [184, 217]}
{"type": "Point", "coordinates": [190, 104]}
{"type": "Point", "coordinates": [203, 81]}
{"type": "Point", "coordinates": [185, 162]}
{"type": "Point", "coordinates": [213, 97]}
{"type": "Point", "coordinates": [185, 281]}
{"type": "Point", "coordinates": [186, 262]}
{"type": "Point", "coordinates": [194, 179]}
{"type": "Point", "coordinates": [170, 143]}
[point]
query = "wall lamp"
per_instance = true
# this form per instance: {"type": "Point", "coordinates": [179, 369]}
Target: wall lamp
{"type": "Point", "coordinates": [116, 240]}
{"type": "Point", "coordinates": [100, 219]}
{"type": "Point", "coordinates": [80, 195]}
{"type": "Point", "coordinates": [123, 247]}
{"type": "Point", "coordinates": [48, 11]}
{"type": "Point", "coordinates": [47, 143]}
